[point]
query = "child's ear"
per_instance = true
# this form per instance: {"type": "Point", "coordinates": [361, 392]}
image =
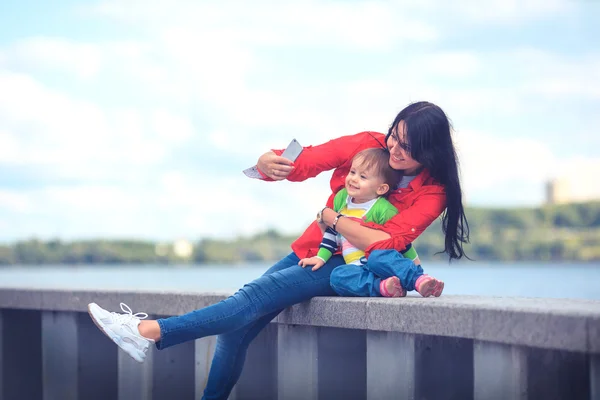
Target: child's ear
{"type": "Point", "coordinates": [383, 189]}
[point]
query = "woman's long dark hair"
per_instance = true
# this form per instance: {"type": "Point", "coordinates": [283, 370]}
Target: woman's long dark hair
{"type": "Point", "coordinates": [430, 143]}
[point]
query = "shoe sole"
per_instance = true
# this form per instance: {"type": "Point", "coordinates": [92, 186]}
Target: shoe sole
{"type": "Point", "coordinates": [432, 287]}
{"type": "Point", "coordinates": [132, 352]}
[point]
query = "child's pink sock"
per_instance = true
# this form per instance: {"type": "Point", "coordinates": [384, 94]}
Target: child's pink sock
{"type": "Point", "coordinates": [427, 286]}
{"type": "Point", "coordinates": [391, 287]}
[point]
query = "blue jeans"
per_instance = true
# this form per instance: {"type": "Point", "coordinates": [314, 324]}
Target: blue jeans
{"type": "Point", "coordinates": [238, 319]}
{"type": "Point", "coordinates": [364, 280]}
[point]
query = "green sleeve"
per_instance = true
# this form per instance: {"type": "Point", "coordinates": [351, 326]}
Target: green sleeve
{"type": "Point", "coordinates": [339, 200]}
{"type": "Point", "coordinates": [324, 254]}
{"type": "Point", "coordinates": [381, 212]}
{"type": "Point", "coordinates": [338, 203]}
{"type": "Point", "coordinates": [410, 253]}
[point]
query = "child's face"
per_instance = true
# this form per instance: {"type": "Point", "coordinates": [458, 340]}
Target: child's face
{"type": "Point", "coordinates": [364, 184]}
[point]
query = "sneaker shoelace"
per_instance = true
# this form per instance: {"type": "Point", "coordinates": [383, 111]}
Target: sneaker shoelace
{"type": "Point", "coordinates": [127, 315]}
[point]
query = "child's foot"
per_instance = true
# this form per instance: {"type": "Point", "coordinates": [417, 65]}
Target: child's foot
{"type": "Point", "coordinates": [429, 286]}
{"type": "Point", "coordinates": [122, 329]}
{"type": "Point", "coordinates": [391, 287]}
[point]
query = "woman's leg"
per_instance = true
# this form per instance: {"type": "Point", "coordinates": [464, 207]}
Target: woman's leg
{"type": "Point", "coordinates": [230, 353]}
{"type": "Point", "coordinates": [261, 297]}
{"type": "Point", "coordinates": [151, 329]}
{"type": "Point", "coordinates": [243, 315]}
{"type": "Point", "coordinates": [231, 348]}
{"type": "Point", "coordinates": [229, 358]}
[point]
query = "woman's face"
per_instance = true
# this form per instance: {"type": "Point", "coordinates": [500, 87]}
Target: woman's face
{"type": "Point", "coordinates": [400, 158]}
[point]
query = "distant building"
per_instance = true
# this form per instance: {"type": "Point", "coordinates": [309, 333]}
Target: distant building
{"type": "Point", "coordinates": [558, 191]}
{"type": "Point", "coordinates": [573, 190]}
{"type": "Point", "coordinates": [161, 249]}
{"type": "Point", "coordinates": [183, 248]}
{"type": "Point", "coordinates": [180, 248]}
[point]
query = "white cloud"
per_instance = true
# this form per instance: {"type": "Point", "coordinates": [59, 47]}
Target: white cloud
{"type": "Point", "coordinates": [9, 148]}
{"type": "Point", "coordinates": [177, 205]}
{"type": "Point", "coordinates": [78, 138]}
{"type": "Point", "coordinates": [15, 202]}
{"type": "Point", "coordinates": [490, 162]}
{"type": "Point", "coordinates": [556, 76]}
{"type": "Point", "coordinates": [357, 25]}
{"type": "Point", "coordinates": [82, 59]}
{"type": "Point", "coordinates": [513, 11]}
{"type": "Point", "coordinates": [217, 206]}
{"type": "Point", "coordinates": [497, 12]}
{"type": "Point", "coordinates": [450, 64]}
{"type": "Point", "coordinates": [209, 203]}
{"type": "Point", "coordinates": [574, 86]}
{"type": "Point", "coordinates": [172, 127]}
{"type": "Point", "coordinates": [220, 79]}
{"type": "Point", "coordinates": [90, 199]}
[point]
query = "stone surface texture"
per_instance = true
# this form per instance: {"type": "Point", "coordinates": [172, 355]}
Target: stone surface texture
{"type": "Point", "coordinates": [562, 324]}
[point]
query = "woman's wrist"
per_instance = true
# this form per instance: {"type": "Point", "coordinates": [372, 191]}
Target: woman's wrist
{"type": "Point", "coordinates": [320, 215]}
{"type": "Point", "coordinates": [328, 216]}
{"type": "Point", "coordinates": [261, 163]}
{"type": "Point", "coordinates": [335, 221]}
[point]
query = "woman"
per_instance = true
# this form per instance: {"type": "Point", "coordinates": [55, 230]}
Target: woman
{"type": "Point", "coordinates": [420, 145]}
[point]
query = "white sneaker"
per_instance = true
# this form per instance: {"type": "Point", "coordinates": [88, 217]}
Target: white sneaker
{"type": "Point", "coordinates": [122, 329]}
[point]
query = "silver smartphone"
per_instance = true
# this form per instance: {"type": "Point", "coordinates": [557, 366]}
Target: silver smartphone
{"type": "Point", "coordinates": [292, 151]}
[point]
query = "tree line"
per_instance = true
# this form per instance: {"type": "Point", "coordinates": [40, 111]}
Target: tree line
{"type": "Point", "coordinates": [569, 232]}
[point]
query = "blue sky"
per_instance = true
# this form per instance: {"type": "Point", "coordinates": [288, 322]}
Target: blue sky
{"type": "Point", "coordinates": [135, 118]}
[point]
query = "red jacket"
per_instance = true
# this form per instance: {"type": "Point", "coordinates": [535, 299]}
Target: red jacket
{"type": "Point", "coordinates": [418, 205]}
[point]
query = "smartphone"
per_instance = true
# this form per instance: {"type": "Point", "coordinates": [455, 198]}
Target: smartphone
{"type": "Point", "coordinates": [292, 151]}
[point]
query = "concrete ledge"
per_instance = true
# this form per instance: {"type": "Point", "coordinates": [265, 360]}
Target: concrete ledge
{"type": "Point", "coordinates": [562, 324]}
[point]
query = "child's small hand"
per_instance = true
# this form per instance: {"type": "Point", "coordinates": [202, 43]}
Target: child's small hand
{"type": "Point", "coordinates": [317, 262]}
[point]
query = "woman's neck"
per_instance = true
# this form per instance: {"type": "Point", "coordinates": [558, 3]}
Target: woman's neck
{"type": "Point", "coordinates": [413, 172]}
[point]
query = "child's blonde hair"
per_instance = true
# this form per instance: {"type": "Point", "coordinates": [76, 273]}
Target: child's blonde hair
{"type": "Point", "coordinates": [378, 159]}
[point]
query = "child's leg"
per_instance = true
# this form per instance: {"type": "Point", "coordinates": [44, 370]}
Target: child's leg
{"type": "Point", "coordinates": [386, 263]}
{"type": "Point", "coordinates": [358, 281]}
{"type": "Point", "coordinates": [354, 281]}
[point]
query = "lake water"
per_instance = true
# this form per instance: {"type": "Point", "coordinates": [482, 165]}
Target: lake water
{"type": "Point", "coordinates": [559, 280]}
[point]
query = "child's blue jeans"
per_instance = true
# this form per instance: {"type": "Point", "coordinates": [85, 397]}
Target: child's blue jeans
{"type": "Point", "coordinates": [364, 280]}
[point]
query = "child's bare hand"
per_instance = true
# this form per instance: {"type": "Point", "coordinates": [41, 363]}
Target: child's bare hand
{"type": "Point", "coordinates": [316, 262]}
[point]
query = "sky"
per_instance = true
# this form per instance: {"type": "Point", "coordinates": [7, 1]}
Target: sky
{"type": "Point", "coordinates": [134, 119]}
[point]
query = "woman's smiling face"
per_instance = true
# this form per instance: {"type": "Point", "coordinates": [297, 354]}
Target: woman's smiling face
{"type": "Point", "coordinates": [400, 157]}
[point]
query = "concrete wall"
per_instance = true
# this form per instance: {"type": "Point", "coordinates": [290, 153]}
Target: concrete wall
{"type": "Point", "coordinates": [413, 348]}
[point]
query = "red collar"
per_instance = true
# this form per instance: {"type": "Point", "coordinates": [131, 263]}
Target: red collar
{"type": "Point", "coordinates": [420, 180]}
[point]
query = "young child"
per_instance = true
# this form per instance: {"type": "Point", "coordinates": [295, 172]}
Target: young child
{"type": "Point", "coordinates": [367, 185]}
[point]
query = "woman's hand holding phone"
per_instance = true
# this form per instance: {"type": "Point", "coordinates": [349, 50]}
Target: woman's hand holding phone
{"type": "Point", "coordinates": [274, 166]}
{"type": "Point", "coordinates": [279, 167]}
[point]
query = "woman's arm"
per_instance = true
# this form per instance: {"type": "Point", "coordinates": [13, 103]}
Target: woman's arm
{"type": "Point", "coordinates": [357, 234]}
{"type": "Point", "coordinates": [408, 225]}
{"type": "Point", "coordinates": [398, 232]}
{"type": "Point", "coordinates": [314, 159]}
